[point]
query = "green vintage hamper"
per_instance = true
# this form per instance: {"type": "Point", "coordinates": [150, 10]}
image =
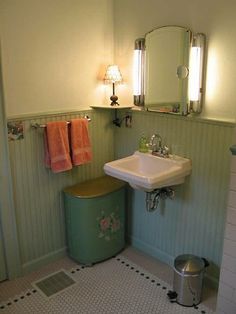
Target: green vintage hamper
{"type": "Point", "coordinates": [95, 218]}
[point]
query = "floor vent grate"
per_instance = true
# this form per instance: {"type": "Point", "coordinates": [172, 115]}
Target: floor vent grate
{"type": "Point", "coordinates": [54, 283]}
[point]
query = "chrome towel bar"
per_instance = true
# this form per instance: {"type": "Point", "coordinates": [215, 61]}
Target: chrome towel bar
{"type": "Point", "coordinates": [37, 125]}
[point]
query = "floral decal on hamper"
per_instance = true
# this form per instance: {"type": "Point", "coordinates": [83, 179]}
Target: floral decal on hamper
{"type": "Point", "coordinates": [108, 225]}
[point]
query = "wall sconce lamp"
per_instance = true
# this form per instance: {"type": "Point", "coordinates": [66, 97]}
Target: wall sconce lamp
{"type": "Point", "coordinates": [138, 71]}
{"type": "Point", "coordinates": [196, 73]}
{"type": "Point", "coordinates": [113, 76]}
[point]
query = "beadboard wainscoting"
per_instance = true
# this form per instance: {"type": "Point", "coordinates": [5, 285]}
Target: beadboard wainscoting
{"type": "Point", "coordinates": [193, 222]}
{"type": "Point", "coordinates": [38, 191]}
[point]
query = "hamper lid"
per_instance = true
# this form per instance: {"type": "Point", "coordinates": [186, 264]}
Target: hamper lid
{"type": "Point", "coordinates": [95, 187]}
{"type": "Point", "coordinates": [189, 264]}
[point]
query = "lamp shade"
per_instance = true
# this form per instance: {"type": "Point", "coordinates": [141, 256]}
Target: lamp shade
{"type": "Point", "coordinates": [113, 74]}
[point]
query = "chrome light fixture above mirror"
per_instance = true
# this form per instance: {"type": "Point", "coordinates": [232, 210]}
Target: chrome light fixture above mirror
{"type": "Point", "coordinates": [186, 72]}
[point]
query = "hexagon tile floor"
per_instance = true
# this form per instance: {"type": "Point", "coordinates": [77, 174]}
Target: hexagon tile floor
{"type": "Point", "coordinates": [115, 286]}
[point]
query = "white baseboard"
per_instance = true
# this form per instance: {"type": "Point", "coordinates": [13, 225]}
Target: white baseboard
{"type": "Point", "coordinates": [163, 257]}
{"type": "Point", "coordinates": [150, 250]}
{"type": "Point", "coordinates": [43, 260]}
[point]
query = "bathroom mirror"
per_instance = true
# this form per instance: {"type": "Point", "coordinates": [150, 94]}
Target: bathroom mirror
{"type": "Point", "coordinates": [165, 70]}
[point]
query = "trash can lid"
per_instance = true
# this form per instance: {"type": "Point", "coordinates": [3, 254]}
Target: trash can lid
{"type": "Point", "coordinates": [95, 187]}
{"type": "Point", "coordinates": [189, 264]}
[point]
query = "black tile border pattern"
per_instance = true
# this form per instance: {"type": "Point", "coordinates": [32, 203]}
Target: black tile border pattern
{"type": "Point", "coordinates": [24, 295]}
{"type": "Point", "coordinates": [81, 267]}
{"type": "Point", "coordinates": [148, 277]}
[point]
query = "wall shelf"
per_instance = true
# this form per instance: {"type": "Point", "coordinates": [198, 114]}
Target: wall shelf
{"type": "Point", "coordinates": [118, 121]}
{"type": "Point", "coordinates": [111, 107]}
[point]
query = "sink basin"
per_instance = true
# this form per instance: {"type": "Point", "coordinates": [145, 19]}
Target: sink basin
{"type": "Point", "coordinates": [147, 172]}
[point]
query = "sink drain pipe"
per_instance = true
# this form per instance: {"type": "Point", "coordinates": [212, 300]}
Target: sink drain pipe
{"type": "Point", "coordinates": [153, 197]}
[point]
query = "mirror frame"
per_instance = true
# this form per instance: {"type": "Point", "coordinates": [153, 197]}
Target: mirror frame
{"type": "Point", "coordinates": [188, 105]}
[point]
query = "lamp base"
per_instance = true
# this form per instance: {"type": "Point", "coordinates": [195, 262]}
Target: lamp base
{"type": "Point", "coordinates": [114, 99]}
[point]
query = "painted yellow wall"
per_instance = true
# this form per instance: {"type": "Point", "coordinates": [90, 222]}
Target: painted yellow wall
{"type": "Point", "coordinates": [215, 18]}
{"type": "Point", "coordinates": [53, 53]}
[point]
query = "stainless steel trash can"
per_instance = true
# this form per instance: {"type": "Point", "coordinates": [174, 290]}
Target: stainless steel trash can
{"type": "Point", "coordinates": [188, 278]}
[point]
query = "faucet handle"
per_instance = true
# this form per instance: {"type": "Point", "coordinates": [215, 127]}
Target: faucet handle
{"type": "Point", "coordinates": [159, 140]}
{"type": "Point", "coordinates": [155, 146]}
{"type": "Point", "coordinates": [165, 151]}
{"type": "Point", "coordinates": [152, 146]}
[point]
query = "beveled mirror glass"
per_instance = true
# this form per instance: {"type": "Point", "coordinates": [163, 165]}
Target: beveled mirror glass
{"type": "Point", "coordinates": [166, 69]}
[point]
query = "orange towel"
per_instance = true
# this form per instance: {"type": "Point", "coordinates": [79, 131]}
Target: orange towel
{"type": "Point", "coordinates": [47, 160]}
{"type": "Point", "coordinates": [80, 143]}
{"type": "Point", "coordinates": [57, 151]}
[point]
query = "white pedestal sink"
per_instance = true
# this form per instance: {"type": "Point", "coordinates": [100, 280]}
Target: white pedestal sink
{"type": "Point", "coordinates": [147, 172]}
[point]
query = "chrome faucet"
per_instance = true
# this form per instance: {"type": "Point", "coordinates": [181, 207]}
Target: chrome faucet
{"type": "Point", "coordinates": [155, 142]}
{"type": "Point", "coordinates": [157, 148]}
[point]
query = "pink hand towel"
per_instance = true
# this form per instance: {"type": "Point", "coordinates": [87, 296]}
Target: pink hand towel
{"type": "Point", "coordinates": [56, 139]}
{"type": "Point", "coordinates": [80, 143]}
